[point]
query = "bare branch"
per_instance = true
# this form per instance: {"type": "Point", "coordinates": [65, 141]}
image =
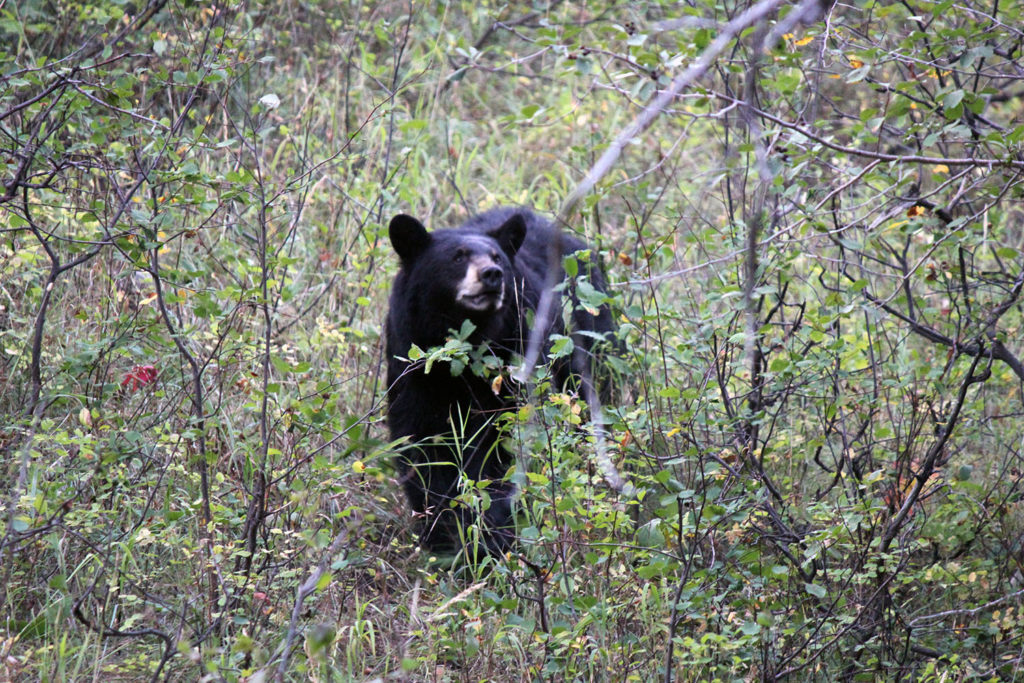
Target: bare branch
{"type": "Point", "coordinates": [307, 588]}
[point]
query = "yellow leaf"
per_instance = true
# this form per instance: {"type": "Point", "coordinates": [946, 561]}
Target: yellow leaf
{"type": "Point", "coordinates": [915, 210]}
{"type": "Point", "coordinates": [804, 41]}
{"type": "Point", "coordinates": [940, 168]}
{"type": "Point", "coordinates": [358, 467]}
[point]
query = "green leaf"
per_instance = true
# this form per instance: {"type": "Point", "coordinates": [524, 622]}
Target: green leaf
{"type": "Point", "coordinates": [280, 364]}
{"type": "Point", "coordinates": [815, 590]}
{"type": "Point", "coordinates": [750, 628]}
{"type": "Point", "coordinates": [561, 347]}
{"type": "Point", "coordinates": [952, 100]}
{"type": "Point", "coordinates": [571, 266]}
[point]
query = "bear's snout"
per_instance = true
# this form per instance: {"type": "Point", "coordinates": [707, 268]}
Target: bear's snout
{"type": "Point", "coordinates": [492, 276]}
{"type": "Point", "coordinates": [482, 288]}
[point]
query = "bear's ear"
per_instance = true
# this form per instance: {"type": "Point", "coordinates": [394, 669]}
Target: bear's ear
{"type": "Point", "coordinates": [408, 237]}
{"type": "Point", "coordinates": [510, 234]}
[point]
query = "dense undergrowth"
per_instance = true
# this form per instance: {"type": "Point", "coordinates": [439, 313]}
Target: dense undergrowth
{"type": "Point", "coordinates": [815, 256]}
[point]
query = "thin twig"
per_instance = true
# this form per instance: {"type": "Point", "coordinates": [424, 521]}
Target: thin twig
{"type": "Point", "coordinates": [307, 588]}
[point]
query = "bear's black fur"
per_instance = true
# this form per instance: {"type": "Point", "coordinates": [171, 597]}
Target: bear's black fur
{"type": "Point", "coordinates": [490, 271]}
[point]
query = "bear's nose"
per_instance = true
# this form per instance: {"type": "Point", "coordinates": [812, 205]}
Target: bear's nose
{"type": "Point", "coordinates": [491, 276]}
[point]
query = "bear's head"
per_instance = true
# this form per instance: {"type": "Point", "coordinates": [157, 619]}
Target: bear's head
{"type": "Point", "coordinates": [470, 269]}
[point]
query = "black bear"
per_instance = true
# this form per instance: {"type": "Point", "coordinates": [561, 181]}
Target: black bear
{"type": "Point", "coordinates": [491, 271]}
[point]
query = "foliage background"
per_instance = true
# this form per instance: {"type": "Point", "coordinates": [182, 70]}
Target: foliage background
{"type": "Point", "coordinates": [816, 260]}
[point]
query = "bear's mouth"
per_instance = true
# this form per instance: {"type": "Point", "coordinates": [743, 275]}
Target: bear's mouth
{"type": "Point", "coordinates": [484, 300]}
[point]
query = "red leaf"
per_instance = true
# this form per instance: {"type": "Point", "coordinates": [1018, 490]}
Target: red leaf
{"type": "Point", "coordinates": [140, 376]}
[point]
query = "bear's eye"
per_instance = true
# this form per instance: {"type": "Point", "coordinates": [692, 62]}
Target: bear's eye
{"type": "Point", "coordinates": [460, 256]}
{"type": "Point", "coordinates": [494, 255]}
